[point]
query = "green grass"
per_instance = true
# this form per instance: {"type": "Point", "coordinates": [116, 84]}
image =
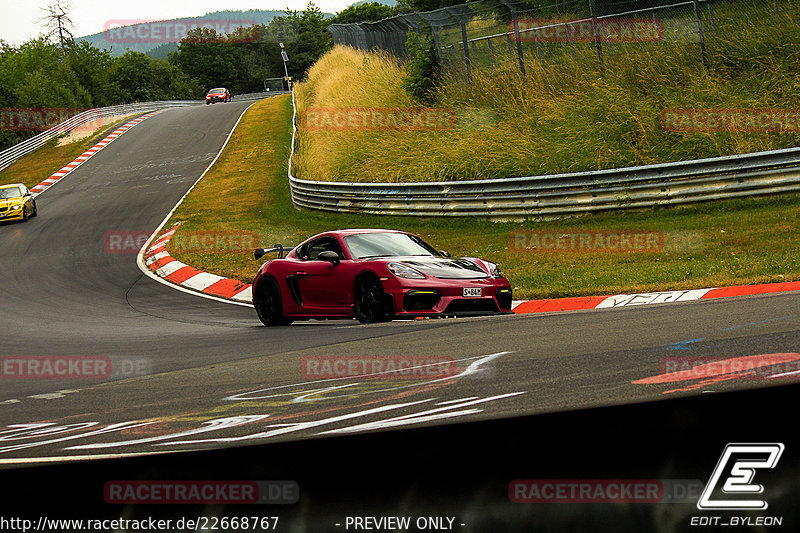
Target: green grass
{"type": "Point", "coordinates": [745, 241]}
{"type": "Point", "coordinates": [40, 164]}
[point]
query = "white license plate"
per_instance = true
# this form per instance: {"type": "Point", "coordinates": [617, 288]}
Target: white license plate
{"type": "Point", "coordinates": [472, 292]}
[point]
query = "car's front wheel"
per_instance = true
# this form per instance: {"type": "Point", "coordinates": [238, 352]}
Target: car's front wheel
{"type": "Point", "coordinates": [35, 210]}
{"type": "Point", "coordinates": [371, 304]}
{"type": "Point", "coordinates": [267, 301]}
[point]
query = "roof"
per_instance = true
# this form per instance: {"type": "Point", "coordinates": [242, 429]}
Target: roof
{"type": "Point", "coordinates": [355, 231]}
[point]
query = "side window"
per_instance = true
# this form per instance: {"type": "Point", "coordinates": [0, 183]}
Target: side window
{"type": "Point", "coordinates": [312, 250]}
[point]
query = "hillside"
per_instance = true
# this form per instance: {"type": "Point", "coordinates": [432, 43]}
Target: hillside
{"type": "Point", "coordinates": [129, 32]}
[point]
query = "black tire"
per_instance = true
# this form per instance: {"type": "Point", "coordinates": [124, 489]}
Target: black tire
{"type": "Point", "coordinates": [268, 304]}
{"type": "Point", "coordinates": [370, 303]}
{"type": "Point", "coordinates": [207, 102]}
{"type": "Point", "coordinates": [35, 210]}
{"type": "Point", "coordinates": [25, 214]}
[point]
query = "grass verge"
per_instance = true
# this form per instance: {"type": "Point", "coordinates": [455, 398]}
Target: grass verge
{"type": "Point", "coordinates": [752, 240]}
{"type": "Point", "coordinates": [40, 164]}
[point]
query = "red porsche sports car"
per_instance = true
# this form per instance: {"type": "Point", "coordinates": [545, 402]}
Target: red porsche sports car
{"type": "Point", "coordinates": [374, 276]}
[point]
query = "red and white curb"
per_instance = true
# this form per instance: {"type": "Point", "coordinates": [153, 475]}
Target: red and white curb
{"type": "Point", "coordinates": [85, 156]}
{"type": "Point", "coordinates": [158, 260]}
{"type": "Point", "coordinates": [626, 300]}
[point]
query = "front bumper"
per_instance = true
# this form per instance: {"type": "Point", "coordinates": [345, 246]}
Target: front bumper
{"type": "Point", "coordinates": [436, 297]}
{"type": "Point", "coordinates": [9, 214]}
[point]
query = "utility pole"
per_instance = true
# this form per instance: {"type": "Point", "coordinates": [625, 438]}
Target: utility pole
{"type": "Point", "coordinates": [285, 58]}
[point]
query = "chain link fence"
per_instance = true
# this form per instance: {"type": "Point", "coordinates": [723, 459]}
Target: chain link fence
{"type": "Point", "coordinates": [484, 33]}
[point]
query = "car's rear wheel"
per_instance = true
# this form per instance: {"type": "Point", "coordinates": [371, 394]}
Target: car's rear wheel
{"type": "Point", "coordinates": [268, 304]}
{"type": "Point", "coordinates": [371, 304]}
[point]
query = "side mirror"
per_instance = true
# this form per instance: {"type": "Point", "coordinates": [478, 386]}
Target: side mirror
{"type": "Point", "coordinates": [444, 253]}
{"type": "Point", "coordinates": [330, 256]}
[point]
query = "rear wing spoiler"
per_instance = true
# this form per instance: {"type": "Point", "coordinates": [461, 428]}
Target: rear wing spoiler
{"type": "Point", "coordinates": [280, 249]}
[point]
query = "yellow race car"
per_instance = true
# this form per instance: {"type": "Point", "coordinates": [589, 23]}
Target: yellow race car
{"type": "Point", "coordinates": [16, 203]}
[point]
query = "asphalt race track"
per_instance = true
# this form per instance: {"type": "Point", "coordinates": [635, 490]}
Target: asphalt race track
{"type": "Point", "coordinates": [212, 377]}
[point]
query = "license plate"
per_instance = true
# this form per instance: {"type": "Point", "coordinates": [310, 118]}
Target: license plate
{"type": "Point", "coordinates": [472, 292]}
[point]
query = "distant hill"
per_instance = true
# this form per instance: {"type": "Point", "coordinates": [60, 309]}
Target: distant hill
{"type": "Point", "coordinates": [157, 37]}
{"type": "Point", "coordinates": [390, 3]}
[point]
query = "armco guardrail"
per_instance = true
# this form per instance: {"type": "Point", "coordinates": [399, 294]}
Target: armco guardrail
{"type": "Point", "coordinates": [9, 155]}
{"type": "Point", "coordinates": [561, 195]}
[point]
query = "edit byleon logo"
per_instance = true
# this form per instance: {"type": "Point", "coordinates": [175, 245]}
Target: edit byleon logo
{"type": "Point", "coordinates": [738, 466]}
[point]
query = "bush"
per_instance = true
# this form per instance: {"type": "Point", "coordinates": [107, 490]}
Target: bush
{"type": "Point", "coordinates": [423, 73]}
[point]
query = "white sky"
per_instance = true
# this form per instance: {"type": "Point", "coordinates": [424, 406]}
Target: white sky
{"type": "Point", "coordinates": [18, 21]}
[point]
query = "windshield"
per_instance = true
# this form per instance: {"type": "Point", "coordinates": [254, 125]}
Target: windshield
{"type": "Point", "coordinates": [366, 245]}
{"type": "Point", "coordinates": [10, 192]}
{"type": "Point", "coordinates": [212, 91]}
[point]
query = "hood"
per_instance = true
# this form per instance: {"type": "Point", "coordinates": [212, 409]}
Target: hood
{"type": "Point", "coordinates": [444, 267]}
{"type": "Point", "coordinates": [8, 202]}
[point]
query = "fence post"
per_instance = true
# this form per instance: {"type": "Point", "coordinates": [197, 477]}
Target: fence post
{"type": "Point", "coordinates": [464, 43]}
{"type": "Point", "coordinates": [571, 38]}
{"type": "Point", "coordinates": [712, 16]}
{"type": "Point", "coordinates": [536, 38]}
{"type": "Point", "coordinates": [698, 15]}
{"type": "Point", "coordinates": [491, 50]}
{"type": "Point", "coordinates": [597, 44]}
{"type": "Point", "coordinates": [515, 20]}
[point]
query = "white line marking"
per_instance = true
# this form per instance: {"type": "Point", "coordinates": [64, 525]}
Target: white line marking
{"type": "Point", "coordinates": [211, 425]}
{"type": "Point", "coordinates": [420, 417]}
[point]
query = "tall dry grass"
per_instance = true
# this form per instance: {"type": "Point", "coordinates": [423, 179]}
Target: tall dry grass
{"type": "Point", "coordinates": [566, 114]}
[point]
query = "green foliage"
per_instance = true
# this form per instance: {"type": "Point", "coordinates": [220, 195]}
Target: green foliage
{"type": "Point", "coordinates": [366, 12]}
{"type": "Point", "coordinates": [406, 6]}
{"type": "Point", "coordinates": [423, 72]}
{"type": "Point", "coordinates": [305, 36]}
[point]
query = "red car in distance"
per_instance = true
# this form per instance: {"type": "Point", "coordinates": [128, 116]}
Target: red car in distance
{"type": "Point", "coordinates": [220, 94]}
{"type": "Point", "coordinates": [374, 276]}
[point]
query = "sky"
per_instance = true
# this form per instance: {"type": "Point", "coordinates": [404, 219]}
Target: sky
{"type": "Point", "coordinates": [18, 22]}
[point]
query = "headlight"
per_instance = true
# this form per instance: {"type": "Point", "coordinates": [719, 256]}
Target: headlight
{"type": "Point", "coordinates": [404, 271]}
{"type": "Point", "coordinates": [16, 208]}
{"type": "Point", "coordinates": [494, 270]}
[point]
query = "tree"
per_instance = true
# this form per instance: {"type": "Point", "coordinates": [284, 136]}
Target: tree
{"type": "Point", "coordinates": [406, 6]}
{"type": "Point", "coordinates": [423, 73]}
{"type": "Point", "coordinates": [58, 23]}
{"type": "Point", "coordinates": [366, 12]}
{"type": "Point", "coordinates": [91, 68]}
{"type": "Point", "coordinates": [312, 41]}
{"type": "Point", "coordinates": [210, 59]}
